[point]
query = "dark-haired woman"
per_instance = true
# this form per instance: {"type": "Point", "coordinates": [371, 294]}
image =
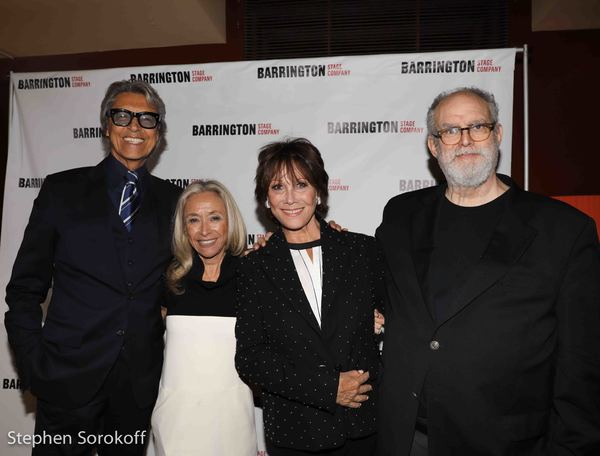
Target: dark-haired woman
{"type": "Point", "coordinates": [305, 314]}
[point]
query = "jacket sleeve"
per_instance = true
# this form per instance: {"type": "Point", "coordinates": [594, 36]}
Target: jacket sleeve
{"type": "Point", "coordinates": [575, 415]}
{"type": "Point", "coordinates": [378, 274]}
{"type": "Point", "coordinates": [260, 364]}
{"type": "Point", "coordinates": [29, 284]}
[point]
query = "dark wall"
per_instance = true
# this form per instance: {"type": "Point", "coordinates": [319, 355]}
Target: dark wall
{"type": "Point", "coordinates": [231, 51]}
{"type": "Point", "coordinates": [563, 104]}
{"type": "Point", "coordinates": [563, 99]}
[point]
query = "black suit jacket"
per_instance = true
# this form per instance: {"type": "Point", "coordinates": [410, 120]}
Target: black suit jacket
{"type": "Point", "coordinates": [281, 348]}
{"type": "Point", "coordinates": [106, 288]}
{"type": "Point", "coordinates": [515, 368]}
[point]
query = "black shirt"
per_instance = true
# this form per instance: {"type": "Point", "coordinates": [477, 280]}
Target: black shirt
{"type": "Point", "coordinates": [206, 298]}
{"type": "Point", "coordinates": [116, 174]}
{"type": "Point", "coordinates": [460, 237]}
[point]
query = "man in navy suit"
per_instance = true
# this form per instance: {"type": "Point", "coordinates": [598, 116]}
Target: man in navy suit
{"type": "Point", "coordinates": [99, 236]}
{"type": "Point", "coordinates": [492, 341]}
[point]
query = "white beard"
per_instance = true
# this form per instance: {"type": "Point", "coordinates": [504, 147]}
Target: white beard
{"type": "Point", "coordinates": [473, 174]}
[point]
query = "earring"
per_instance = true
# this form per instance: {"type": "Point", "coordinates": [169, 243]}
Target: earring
{"type": "Point", "coordinates": [318, 200]}
{"type": "Point", "coordinates": [267, 205]}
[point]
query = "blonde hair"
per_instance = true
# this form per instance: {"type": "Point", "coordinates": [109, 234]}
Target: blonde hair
{"type": "Point", "coordinates": [180, 244]}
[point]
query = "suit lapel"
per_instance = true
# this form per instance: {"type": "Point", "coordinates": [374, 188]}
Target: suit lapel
{"type": "Point", "coordinates": [336, 260]}
{"type": "Point", "coordinates": [407, 246]}
{"type": "Point", "coordinates": [146, 225]}
{"type": "Point", "coordinates": [161, 210]}
{"type": "Point", "coordinates": [98, 212]}
{"type": "Point", "coordinates": [510, 239]}
{"type": "Point", "coordinates": [421, 234]}
{"type": "Point", "coordinates": [95, 200]}
{"type": "Point", "coordinates": [279, 267]}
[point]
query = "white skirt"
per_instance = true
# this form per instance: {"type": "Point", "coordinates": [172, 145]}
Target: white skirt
{"type": "Point", "coordinates": [203, 408]}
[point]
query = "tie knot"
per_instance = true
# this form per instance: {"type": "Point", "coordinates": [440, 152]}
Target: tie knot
{"type": "Point", "coordinates": [131, 176]}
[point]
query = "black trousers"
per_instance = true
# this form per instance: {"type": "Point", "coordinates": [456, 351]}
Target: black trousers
{"type": "Point", "coordinates": [353, 447]}
{"type": "Point", "coordinates": [420, 445]}
{"type": "Point", "coordinates": [111, 422]}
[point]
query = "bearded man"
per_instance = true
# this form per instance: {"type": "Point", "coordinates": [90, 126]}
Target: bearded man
{"type": "Point", "coordinates": [492, 340]}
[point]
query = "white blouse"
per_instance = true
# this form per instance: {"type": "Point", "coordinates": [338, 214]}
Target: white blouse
{"type": "Point", "coordinates": [310, 273]}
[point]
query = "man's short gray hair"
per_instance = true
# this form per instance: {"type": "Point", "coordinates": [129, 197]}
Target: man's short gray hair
{"type": "Point", "coordinates": [480, 93]}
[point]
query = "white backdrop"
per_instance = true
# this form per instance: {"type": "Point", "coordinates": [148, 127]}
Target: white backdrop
{"type": "Point", "coordinates": [366, 115]}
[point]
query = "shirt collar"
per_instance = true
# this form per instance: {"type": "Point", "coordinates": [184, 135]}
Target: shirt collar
{"type": "Point", "coordinates": [116, 171]}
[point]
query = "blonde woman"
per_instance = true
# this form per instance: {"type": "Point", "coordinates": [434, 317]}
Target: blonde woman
{"type": "Point", "coordinates": [203, 407]}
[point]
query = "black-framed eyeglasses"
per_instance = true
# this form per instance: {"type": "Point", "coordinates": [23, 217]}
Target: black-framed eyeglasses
{"type": "Point", "coordinates": [477, 132]}
{"type": "Point", "coordinates": [123, 117]}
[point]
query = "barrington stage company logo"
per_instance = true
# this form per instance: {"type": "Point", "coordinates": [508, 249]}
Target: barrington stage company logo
{"type": "Point", "coordinates": [173, 77]}
{"type": "Point", "coordinates": [30, 182]}
{"type": "Point", "coordinates": [231, 129]}
{"type": "Point", "coordinates": [374, 126]}
{"type": "Point", "coordinates": [449, 66]}
{"type": "Point", "coordinates": [408, 185]}
{"type": "Point", "coordinates": [336, 185]}
{"type": "Point", "coordinates": [87, 132]}
{"type": "Point", "coordinates": [11, 383]}
{"type": "Point", "coordinates": [182, 182]}
{"type": "Point", "coordinates": [302, 71]}
{"type": "Point", "coordinates": [57, 82]}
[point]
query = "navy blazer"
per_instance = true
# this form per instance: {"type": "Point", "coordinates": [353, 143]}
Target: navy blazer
{"type": "Point", "coordinates": [515, 367]}
{"type": "Point", "coordinates": [106, 288]}
{"type": "Point", "coordinates": [296, 363]}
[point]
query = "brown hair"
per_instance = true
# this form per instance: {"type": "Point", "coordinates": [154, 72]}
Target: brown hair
{"type": "Point", "coordinates": [281, 157]}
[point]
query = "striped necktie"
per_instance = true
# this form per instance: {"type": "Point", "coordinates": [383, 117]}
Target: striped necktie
{"type": "Point", "coordinates": [130, 199]}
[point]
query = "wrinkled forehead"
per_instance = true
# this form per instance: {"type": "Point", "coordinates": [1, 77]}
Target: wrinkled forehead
{"type": "Point", "coordinates": [462, 108]}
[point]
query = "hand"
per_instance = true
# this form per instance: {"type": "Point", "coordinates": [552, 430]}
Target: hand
{"type": "Point", "coordinates": [336, 227]}
{"type": "Point", "coordinates": [260, 243]}
{"type": "Point", "coordinates": [379, 322]}
{"type": "Point", "coordinates": [163, 312]}
{"type": "Point", "coordinates": [352, 388]}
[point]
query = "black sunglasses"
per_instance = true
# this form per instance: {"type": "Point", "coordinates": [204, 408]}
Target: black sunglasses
{"type": "Point", "coordinates": [123, 117]}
